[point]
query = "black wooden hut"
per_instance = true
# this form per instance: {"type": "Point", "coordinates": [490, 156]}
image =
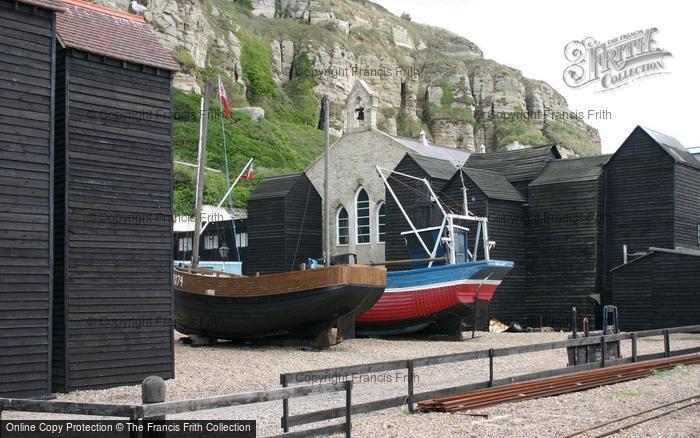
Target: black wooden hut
{"type": "Point", "coordinates": [415, 199]}
{"type": "Point", "coordinates": [658, 289]}
{"type": "Point", "coordinates": [565, 241]}
{"type": "Point", "coordinates": [491, 195]}
{"type": "Point", "coordinates": [651, 186]}
{"type": "Point", "coordinates": [113, 205]}
{"type": "Point", "coordinates": [284, 224]}
{"type": "Point", "coordinates": [27, 63]}
{"type": "Point", "coordinates": [520, 166]}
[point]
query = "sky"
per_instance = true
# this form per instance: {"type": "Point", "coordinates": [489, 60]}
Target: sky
{"type": "Point", "coordinates": [531, 36]}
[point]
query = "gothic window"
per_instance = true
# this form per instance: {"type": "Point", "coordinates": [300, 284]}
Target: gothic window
{"type": "Point", "coordinates": [362, 216]}
{"type": "Point", "coordinates": [343, 227]}
{"type": "Point", "coordinates": [381, 222]}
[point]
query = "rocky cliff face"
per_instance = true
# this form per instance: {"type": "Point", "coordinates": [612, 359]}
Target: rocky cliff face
{"type": "Point", "coordinates": [426, 77]}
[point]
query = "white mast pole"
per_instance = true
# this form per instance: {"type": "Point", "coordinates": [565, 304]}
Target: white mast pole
{"type": "Point", "coordinates": [240, 175]}
{"type": "Point", "coordinates": [203, 124]}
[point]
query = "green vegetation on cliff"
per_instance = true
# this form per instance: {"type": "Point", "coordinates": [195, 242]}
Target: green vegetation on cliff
{"type": "Point", "coordinates": [285, 141]}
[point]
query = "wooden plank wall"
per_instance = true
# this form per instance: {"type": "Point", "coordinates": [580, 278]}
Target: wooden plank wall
{"type": "Point", "coordinates": [633, 295]}
{"type": "Point", "coordinates": [659, 290]}
{"type": "Point", "coordinates": [303, 224]}
{"type": "Point", "coordinates": [266, 236]}
{"type": "Point", "coordinates": [562, 249]}
{"type": "Point", "coordinates": [117, 224]}
{"type": "Point", "coordinates": [639, 201]}
{"type": "Point", "coordinates": [26, 140]}
{"type": "Point", "coordinates": [507, 227]}
{"type": "Point", "coordinates": [675, 289]}
{"type": "Point", "coordinates": [687, 207]}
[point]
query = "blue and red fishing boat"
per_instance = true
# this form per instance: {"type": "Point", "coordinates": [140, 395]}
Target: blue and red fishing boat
{"type": "Point", "coordinates": [447, 280]}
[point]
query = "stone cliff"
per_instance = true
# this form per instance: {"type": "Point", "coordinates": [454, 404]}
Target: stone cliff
{"type": "Point", "coordinates": [427, 78]}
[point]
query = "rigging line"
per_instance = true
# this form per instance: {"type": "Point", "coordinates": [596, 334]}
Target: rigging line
{"type": "Point", "coordinates": [303, 219]}
{"type": "Point", "coordinates": [228, 176]}
{"type": "Point", "coordinates": [424, 194]}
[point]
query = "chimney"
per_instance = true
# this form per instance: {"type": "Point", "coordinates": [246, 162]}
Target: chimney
{"type": "Point", "coordinates": [423, 138]}
{"type": "Point", "coordinates": [482, 148]}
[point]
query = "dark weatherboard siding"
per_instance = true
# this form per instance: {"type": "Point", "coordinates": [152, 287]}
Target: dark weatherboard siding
{"type": "Point", "coordinates": [658, 290]}
{"type": "Point", "coordinates": [114, 241]}
{"type": "Point", "coordinates": [490, 194]}
{"type": "Point", "coordinates": [26, 92]}
{"type": "Point", "coordinates": [638, 201]}
{"type": "Point", "coordinates": [687, 208]}
{"type": "Point", "coordinates": [284, 224]}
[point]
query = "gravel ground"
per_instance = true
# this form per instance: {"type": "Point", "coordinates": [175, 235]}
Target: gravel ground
{"type": "Point", "coordinates": [227, 368]}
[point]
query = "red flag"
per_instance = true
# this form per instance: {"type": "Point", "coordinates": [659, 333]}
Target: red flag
{"type": "Point", "coordinates": [249, 175]}
{"type": "Point", "coordinates": [224, 100]}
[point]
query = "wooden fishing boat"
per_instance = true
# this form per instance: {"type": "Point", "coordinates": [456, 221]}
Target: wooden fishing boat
{"type": "Point", "coordinates": [448, 281]}
{"type": "Point", "coordinates": [305, 303]}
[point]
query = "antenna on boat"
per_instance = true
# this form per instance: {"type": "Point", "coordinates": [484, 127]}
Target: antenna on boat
{"type": "Point", "coordinates": [203, 125]}
{"type": "Point", "coordinates": [464, 191]}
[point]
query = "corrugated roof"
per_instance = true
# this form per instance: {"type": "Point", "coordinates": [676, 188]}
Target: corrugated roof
{"type": "Point", "coordinates": [52, 5]}
{"type": "Point", "coordinates": [673, 147]}
{"type": "Point", "coordinates": [455, 156]}
{"type": "Point", "coordinates": [108, 32]}
{"type": "Point", "coordinates": [494, 185]}
{"type": "Point", "coordinates": [275, 186]}
{"type": "Point", "coordinates": [571, 169]}
{"type": "Point", "coordinates": [517, 165]}
{"type": "Point", "coordinates": [434, 167]}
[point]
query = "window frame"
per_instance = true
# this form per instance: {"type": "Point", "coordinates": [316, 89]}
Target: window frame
{"type": "Point", "coordinates": [357, 218]}
{"type": "Point", "coordinates": [337, 226]}
{"type": "Point", "coordinates": [381, 205]}
{"type": "Point", "coordinates": [211, 238]}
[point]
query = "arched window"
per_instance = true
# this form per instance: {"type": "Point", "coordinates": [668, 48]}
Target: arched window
{"type": "Point", "coordinates": [381, 222]}
{"type": "Point", "coordinates": [362, 216]}
{"type": "Point", "coordinates": [342, 227]}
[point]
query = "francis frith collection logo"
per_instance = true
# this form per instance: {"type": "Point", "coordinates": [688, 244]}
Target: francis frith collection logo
{"type": "Point", "coordinates": [614, 63]}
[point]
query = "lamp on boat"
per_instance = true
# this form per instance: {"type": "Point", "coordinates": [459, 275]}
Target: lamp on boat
{"type": "Point", "coordinates": [223, 252]}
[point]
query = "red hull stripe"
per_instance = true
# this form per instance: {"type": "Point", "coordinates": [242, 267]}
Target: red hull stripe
{"type": "Point", "coordinates": [396, 305]}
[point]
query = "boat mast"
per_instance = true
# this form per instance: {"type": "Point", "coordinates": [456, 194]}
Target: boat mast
{"type": "Point", "coordinates": [326, 200]}
{"type": "Point", "coordinates": [203, 125]}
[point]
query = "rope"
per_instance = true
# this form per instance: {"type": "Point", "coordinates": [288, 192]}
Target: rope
{"type": "Point", "coordinates": [303, 219]}
{"type": "Point", "coordinates": [228, 178]}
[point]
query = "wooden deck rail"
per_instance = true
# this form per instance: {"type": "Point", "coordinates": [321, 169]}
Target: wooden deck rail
{"type": "Point", "coordinates": [335, 374]}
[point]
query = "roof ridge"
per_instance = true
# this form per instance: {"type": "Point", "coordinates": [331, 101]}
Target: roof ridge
{"type": "Point", "coordinates": [105, 10]}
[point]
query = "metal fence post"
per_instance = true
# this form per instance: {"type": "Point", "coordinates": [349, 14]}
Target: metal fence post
{"type": "Point", "coordinates": [491, 352]}
{"type": "Point", "coordinates": [285, 405]}
{"type": "Point", "coordinates": [634, 346]}
{"type": "Point", "coordinates": [667, 344]}
{"type": "Point", "coordinates": [348, 408]}
{"type": "Point", "coordinates": [409, 396]}
{"type": "Point", "coordinates": [602, 351]}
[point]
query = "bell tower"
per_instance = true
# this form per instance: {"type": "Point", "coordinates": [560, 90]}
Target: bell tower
{"type": "Point", "coordinates": [361, 108]}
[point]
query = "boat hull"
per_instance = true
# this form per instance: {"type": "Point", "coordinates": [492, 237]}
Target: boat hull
{"type": "Point", "coordinates": [417, 299]}
{"type": "Point", "coordinates": [302, 302]}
